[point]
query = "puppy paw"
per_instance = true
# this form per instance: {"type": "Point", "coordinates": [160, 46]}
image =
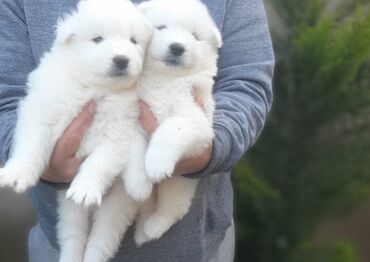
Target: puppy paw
{"type": "Point", "coordinates": [138, 189]}
{"type": "Point", "coordinates": [19, 179]}
{"type": "Point", "coordinates": [140, 237]}
{"type": "Point", "coordinates": [159, 164]}
{"type": "Point", "coordinates": [94, 254]}
{"type": "Point", "coordinates": [70, 256]}
{"type": "Point", "coordinates": [84, 192]}
{"type": "Point", "coordinates": [155, 226]}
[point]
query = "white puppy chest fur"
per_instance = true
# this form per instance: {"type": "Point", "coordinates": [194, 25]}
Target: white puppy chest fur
{"type": "Point", "coordinates": [98, 55]}
{"type": "Point", "coordinates": [182, 57]}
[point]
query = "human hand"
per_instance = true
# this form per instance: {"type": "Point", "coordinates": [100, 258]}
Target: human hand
{"type": "Point", "coordinates": [64, 164]}
{"type": "Point", "coordinates": [186, 166]}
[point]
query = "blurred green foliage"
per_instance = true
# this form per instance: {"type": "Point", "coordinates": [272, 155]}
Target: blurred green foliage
{"type": "Point", "coordinates": [313, 158]}
{"type": "Point", "coordinates": [342, 251]}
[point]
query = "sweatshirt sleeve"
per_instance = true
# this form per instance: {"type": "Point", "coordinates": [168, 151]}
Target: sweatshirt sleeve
{"type": "Point", "coordinates": [16, 61]}
{"type": "Point", "coordinates": [243, 92]}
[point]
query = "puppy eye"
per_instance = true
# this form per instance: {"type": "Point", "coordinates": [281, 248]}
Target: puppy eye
{"type": "Point", "coordinates": [98, 39]}
{"type": "Point", "coordinates": [133, 40]}
{"type": "Point", "coordinates": [161, 27]}
{"type": "Point", "coordinates": [195, 36]}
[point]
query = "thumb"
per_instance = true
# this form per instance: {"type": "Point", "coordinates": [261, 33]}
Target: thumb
{"type": "Point", "coordinates": [147, 118]}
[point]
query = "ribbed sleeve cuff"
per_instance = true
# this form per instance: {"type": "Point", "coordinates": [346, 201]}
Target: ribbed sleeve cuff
{"type": "Point", "coordinates": [58, 186]}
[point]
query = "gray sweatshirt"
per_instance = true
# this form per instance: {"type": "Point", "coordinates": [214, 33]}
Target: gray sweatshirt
{"type": "Point", "coordinates": [243, 98]}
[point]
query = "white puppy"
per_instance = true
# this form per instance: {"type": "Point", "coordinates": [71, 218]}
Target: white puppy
{"type": "Point", "coordinates": [98, 55]}
{"type": "Point", "coordinates": [182, 56]}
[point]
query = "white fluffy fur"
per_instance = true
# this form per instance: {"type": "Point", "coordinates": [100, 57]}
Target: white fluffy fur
{"type": "Point", "coordinates": [166, 85]}
{"type": "Point", "coordinates": [75, 71]}
{"type": "Point", "coordinates": [78, 70]}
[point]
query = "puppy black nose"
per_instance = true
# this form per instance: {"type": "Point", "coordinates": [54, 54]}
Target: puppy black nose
{"type": "Point", "coordinates": [121, 62]}
{"type": "Point", "coordinates": [177, 49]}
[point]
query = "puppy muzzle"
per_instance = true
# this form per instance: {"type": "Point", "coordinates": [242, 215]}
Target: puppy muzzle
{"type": "Point", "coordinates": [120, 65]}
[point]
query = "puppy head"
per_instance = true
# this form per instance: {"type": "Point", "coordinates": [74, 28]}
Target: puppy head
{"type": "Point", "coordinates": [185, 39]}
{"type": "Point", "coordinates": [104, 42]}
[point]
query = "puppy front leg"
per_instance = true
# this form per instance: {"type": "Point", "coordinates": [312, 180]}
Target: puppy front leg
{"type": "Point", "coordinates": [72, 230]}
{"type": "Point", "coordinates": [96, 174]}
{"type": "Point", "coordinates": [176, 138]}
{"type": "Point", "coordinates": [33, 143]}
{"type": "Point", "coordinates": [137, 183]}
{"type": "Point", "coordinates": [110, 222]}
{"type": "Point", "coordinates": [203, 85]}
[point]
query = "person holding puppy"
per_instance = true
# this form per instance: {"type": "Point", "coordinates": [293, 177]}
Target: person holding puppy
{"type": "Point", "coordinates": [243, 98]}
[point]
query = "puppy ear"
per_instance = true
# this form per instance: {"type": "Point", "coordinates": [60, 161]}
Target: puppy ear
{"type": "Point", "coordinates": [65, 33]}
{"type": "Point", "coordinates": [145, 6]}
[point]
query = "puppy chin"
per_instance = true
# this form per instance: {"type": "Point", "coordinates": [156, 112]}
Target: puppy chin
{"type": "Point", "coordinates": [117, 73]}
{"type": "Point", "coordinates": [173, 62]}
{"type": "Point", "coordinates": [178, 63]}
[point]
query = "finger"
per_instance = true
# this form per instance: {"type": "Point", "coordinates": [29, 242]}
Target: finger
{"type": "Point", "coordinates": [77, 161]}
{"type": "Point", "coordinates": [145, 111]}
{"type": "Point", "coordinates": [69, 170]}
{"type": "Point", "coordinates": [70, 142]}
{"type": "Point", "coordinates": [84, 119]}
{"type": "Point", "coordinates": [147, 118]}
{"type": "Point", "coordinates": [73, 165]}
{"type": "Point", "coordinates": [49, 176]}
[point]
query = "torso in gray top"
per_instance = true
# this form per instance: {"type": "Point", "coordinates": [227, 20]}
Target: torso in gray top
{"type": "Point", "coordinates": [243, 98]}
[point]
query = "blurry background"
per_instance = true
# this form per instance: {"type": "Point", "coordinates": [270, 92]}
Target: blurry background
{"type": "Point", "coordinates": [16, 219]}
{"type": "Point", "coordinates": [303, 191]}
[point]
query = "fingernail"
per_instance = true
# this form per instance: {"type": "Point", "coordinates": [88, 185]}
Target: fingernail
{"type": "Point", "coordinates": [92, 107]}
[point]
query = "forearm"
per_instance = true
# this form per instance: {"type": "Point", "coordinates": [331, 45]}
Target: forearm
{"type": "Point", "coordinates": [16, 61]}
{"type": "Point", "coordinates": [239, 119]}
{"type": "Point", "coordinates": [243, 92]}
{"type": "Point", "coordinates": [9, 99]}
